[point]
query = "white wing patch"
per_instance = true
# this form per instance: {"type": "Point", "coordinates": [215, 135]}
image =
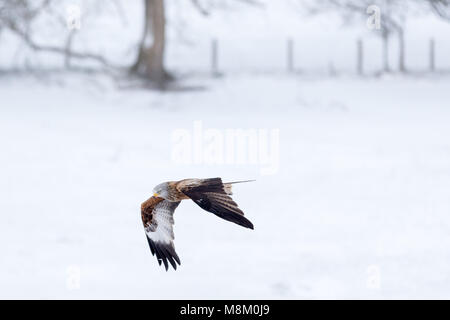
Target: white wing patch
{"type": "Point", "coordinates": [160, 234]}
{"type": "Point", "coordinates": [161, 230]}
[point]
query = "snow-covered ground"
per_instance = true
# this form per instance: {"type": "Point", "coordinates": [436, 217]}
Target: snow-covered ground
{"type": "Point", "coordinates": [358, 208]}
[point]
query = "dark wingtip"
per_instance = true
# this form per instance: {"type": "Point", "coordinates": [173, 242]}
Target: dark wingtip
{"type": "Point", "coordinates": [243, 221]}
{"type": "Point", "coordinates": [249, 226]}
{"type": "Point", "coordinates": [165, 254]}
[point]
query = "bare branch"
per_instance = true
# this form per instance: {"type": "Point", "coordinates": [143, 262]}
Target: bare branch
{"type": "Point", "coordinates": [54, 49]}
{"type": "Point", "coordinates": [200, 8]}
{"type": "Point", "coordinates": [17, 16]}
{"type": "Point", "coordinates": [441, 8]}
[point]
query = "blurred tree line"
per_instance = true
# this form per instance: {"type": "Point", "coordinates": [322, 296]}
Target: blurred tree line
{"type": "Point", "coordinates": [393, 14]}
{"type": "Point", "coordinates": [17, 16]}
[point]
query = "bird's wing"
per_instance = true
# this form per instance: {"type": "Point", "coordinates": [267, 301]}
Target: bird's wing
{"type": "Point", "coordinates": [213, 196]}
{"type": "Point", "coordinates": [157, 216]}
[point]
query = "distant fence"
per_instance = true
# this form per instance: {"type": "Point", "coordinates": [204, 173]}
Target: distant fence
{"type": "Point", "coordinates": [289, 57]}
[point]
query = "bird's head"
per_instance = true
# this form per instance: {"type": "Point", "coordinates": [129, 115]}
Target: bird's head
{"type": "Point", "coordinates": [161, 190]}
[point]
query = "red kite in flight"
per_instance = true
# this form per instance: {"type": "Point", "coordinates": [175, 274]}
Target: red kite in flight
{"type": "Point", "coordinates": [157, 212]}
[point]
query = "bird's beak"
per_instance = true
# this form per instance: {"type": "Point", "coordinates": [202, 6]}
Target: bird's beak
{"type": "Point", "coordinates": [156, 194]}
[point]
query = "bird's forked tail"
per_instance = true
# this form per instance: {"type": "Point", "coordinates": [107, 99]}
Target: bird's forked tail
{"type": "Point", "coordinates": [228, 186]}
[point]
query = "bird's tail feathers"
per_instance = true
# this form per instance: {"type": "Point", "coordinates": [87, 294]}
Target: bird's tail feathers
{"type": "Point", "coordinates": [227, 187]}
{"type": "Point", "coordinates": [243, 181]}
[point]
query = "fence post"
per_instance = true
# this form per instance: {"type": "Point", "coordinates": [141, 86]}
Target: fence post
{"type": "Point", "coordinates": [290, 55]}
{"type": "Point", "coordinates": [432, 55]}
{"type": "Point", "coordinates": [360, 57]}
{"type": "Point", "coordinates": [214, 57]}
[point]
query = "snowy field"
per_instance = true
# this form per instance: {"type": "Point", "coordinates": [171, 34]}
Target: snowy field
{"type": "Point", "coordinates": [359, 206]}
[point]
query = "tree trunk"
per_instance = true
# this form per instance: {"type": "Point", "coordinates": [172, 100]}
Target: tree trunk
{"type": "Point", "coordinates": [150, 60]}
{"type": "Point", "coordinates": [401, 50]}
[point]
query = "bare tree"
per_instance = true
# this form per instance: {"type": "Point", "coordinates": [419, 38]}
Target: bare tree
{"type": "Point", "coordinates": [150, 59]}
{"type": "Point", "coordinates": [18, 16]}
{"type": "Point", "coordinates": [392, 20]}
{"type": "Point", "coordinates": [441, 8]}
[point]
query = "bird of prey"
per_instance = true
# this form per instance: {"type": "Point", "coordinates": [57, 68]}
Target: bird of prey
{"type": "Point", "coordinates": [157, 212]}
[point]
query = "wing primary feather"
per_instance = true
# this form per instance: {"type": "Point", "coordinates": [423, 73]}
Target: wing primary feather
{"type": "Point", "coordinates": [175, 255]}
{"type": "Point", "coordinates": [169, 257]}
{"type": "Point", "coordinates": [162, 257]}
{"type": "Point", "coordinates": [151, 245]}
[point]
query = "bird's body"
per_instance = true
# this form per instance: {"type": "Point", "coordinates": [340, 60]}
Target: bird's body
{"type": "Point", "coordinates": [211, 195]}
